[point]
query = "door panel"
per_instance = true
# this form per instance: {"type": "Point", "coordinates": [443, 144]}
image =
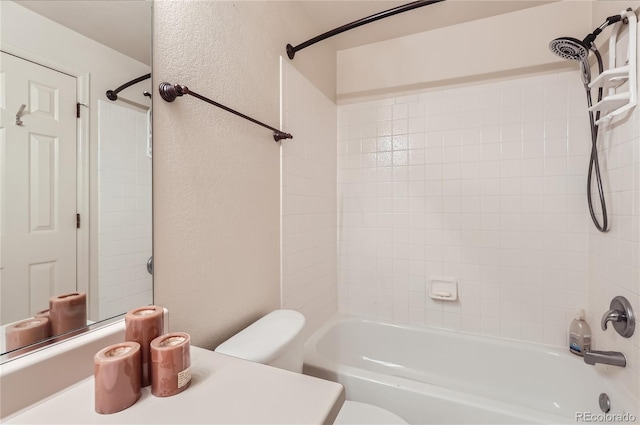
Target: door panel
{"type": "Point", "coordinates": [38, 189]}
{"type": "Point", "coordinates": [42, 181]}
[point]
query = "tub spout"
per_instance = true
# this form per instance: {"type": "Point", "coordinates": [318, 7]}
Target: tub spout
{"type": "Point", "coordinates": [613, 358]}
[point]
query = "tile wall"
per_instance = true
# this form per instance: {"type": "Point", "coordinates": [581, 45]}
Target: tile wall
{"type": "Point", "coordinates": [309, 211]}
{"type": "Point", "coordinates": [614, 257]}
{"type": "Point", "coordinates": [124, 210]}
{"type": "Point", "coordinates": [484, 183]}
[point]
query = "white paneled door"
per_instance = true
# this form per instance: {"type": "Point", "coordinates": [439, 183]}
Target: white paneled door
{"type": "Point", "coordinates": [38, 182]}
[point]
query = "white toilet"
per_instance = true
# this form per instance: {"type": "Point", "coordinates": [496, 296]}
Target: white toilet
{"type": "Point", "coordinates": [276, 340]}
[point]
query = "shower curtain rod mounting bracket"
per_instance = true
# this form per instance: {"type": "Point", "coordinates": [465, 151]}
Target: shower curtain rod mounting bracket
{"type": "Point", "coordinates": [291, 51]}
{"type": "Point", "coordinates": [170, 92]}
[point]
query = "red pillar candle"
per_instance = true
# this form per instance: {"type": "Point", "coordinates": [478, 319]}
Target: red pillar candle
{"type": "Point", "coordinates": [116, 371]}
{"type": "Point", "coordinates": [170, 364]}
{"type": "Point", "coordinates": [142, 325]}
{"type": "Point", "coordinates": [26, 332]}
{"type": "Point", "coordinates": [68, 312]}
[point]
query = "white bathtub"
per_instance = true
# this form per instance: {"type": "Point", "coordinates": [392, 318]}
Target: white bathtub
{"type": "Point", "coordinates": [433, 376]}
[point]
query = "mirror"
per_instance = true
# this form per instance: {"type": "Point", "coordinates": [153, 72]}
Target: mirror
{"type": "Point", "coordinates": [75, 167]}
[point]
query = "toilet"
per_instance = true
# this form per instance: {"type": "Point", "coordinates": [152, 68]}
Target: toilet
{"type": "Point", "coordinates": [276, 340]}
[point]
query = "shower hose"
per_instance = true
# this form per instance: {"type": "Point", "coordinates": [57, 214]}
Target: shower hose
{"type": "Point", "coordinates": [594, 165]}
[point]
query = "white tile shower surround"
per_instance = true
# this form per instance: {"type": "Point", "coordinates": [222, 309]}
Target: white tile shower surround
{"type": "Point", "coordinates": [486, 183]}
{"type": "Point", "coordinates": [614, 257]}
{"type": "Point", "coordinates": [483, 183]}
{"type": "Point", "coordinates": [309, 211]}
{"type": "Point", "coordinates": [124, 210]}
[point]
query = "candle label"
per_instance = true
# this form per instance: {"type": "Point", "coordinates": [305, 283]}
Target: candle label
{"type": "Point", "coordinates": [184, 377]}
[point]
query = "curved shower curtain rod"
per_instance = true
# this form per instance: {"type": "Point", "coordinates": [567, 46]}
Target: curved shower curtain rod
{"type": "Point", "coordinates": [170, 92]}
{"type": "Point", "coordinates": [113, 94]}
{"type": "Point", "coordinates": [291, 50]}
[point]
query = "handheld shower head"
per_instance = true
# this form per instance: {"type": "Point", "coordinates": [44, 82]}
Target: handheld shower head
{"type": "Point", "coordinates": [573, 49]}
{"type": "Point", "coordinates": [569, 48]}
{"type": "Point", "coordinates": [578, 50]}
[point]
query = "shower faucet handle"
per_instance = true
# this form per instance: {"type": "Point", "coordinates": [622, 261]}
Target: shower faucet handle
{"type": "Point", "coordinates": [621, 315]}
{"type": "Point", "coordinates": [611, 316]}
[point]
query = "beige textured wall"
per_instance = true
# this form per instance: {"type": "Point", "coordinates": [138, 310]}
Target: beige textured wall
{"type": "Point", "coordinates": [494, 47]}
{"type": "Point", "coordinates": [216, 176]}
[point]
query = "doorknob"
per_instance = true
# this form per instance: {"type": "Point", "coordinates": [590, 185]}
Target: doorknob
{"type": "Point", "coordinates": [19, 114]}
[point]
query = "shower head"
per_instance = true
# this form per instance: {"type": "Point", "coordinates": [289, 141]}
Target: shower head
{"type": "Point", "coordinates": [573, 49]}
{"type": "Point", "coordinates": [569, 48]}
{"type": "Point", "coordinates": [577, 50]}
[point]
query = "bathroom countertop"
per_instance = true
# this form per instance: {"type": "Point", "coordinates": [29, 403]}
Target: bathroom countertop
{"type": "Point", "coordinates": [223, 390]}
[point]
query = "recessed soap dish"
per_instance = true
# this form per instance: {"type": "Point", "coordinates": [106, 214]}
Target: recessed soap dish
{"type": "Point", "coordinates": [443, 288]}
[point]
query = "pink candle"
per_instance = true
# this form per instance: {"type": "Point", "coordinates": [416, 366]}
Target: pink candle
{"type": "Point", "coordinates": [116, 372]}
{"type": "Point", "coordinates": [45, 313]}
{"type": "Point", "coordinates": [27, 332]}
{"type": "Point", "coordinates": [142, 325]}
{"type": "Point", "coordinates": [68, 312]}
{"type": "Point", "coordinates": [170, 364]}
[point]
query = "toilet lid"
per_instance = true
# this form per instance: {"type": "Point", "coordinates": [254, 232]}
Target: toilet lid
{"type": "Point", "coordinates": [353, 412]}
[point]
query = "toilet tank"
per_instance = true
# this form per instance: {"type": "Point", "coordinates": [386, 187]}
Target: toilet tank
{"type": "Point", "coordinates": [275, 340]}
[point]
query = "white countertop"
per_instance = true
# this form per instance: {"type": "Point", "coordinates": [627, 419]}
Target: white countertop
{"type": "Point", "coordinates": [223, 390]}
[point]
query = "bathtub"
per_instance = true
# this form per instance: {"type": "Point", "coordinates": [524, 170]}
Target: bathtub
{"type": "Point", "coordinates": [434, 376]}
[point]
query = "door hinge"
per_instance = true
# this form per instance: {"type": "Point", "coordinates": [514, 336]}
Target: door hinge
{"type": "Point", "coordinates": [77, 221]}
{"type": "Point", "coordinates": [77, 110]}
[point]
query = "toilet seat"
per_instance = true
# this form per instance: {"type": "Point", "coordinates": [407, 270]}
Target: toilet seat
{"type": "Point", "coordinates": [355, 413]}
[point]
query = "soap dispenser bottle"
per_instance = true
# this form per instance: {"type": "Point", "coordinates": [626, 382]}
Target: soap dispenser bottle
{"type": "Point", "coordinates": [579, 335]}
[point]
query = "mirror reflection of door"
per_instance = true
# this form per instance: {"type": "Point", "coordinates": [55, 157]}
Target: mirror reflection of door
{"type": "Point", "coordinates": [39, 187]}
{"type": "Point", "coordinates": [112, 183]}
